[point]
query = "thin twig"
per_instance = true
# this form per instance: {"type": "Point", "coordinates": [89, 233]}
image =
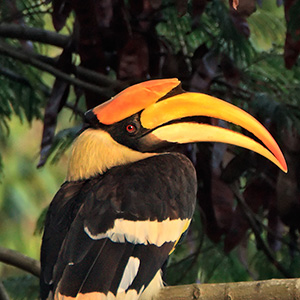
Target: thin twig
{"type": "Point", "coordinates": [3, 293]}
{"type": "Point", "coordinates": [20, 261]}
{"type": "Point", "coordinates": [268, 252]}
{"type": "Point", "coordinates": [22, 56]}
{"type": "Point", "coordinates": [95, 79]}
{"type": "Point", "coordinates": [33, 34]}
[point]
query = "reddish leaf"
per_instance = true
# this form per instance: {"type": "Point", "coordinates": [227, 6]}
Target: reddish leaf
{"type": "Point", "coordinates": [61, 11]}
{"type": "Point", "coordinates": [221, 194]}
{"type": "Point", "coordinates": [231, 72]}
{"type": "Point", "coordinates": [198, 7]}
{"type": "Point", "coordinates": [217, 198]}
{"type": "Point", "coordinates": [222, 199]}
{"type": "Point", "coordinates": [237, 166]}
{"type": "Point", "coordinates": [234, 4]}
{"type": "Point", "coordinates": [104, 12]}
{"type": "Point", "coordinates": [288, 193]}
{"type": "Point", "coordinates": [157, 55]}
{"type": "Point", "coordinates": [237, 231]}
{"type": "Point", "coordinates": [292, 39]}
{"type": "Point", "coordinates": [89, 39]}
{"type": "Point", "coordinates": [138, 7]}
{"type": "Point", "coordinates": [245, 8]}
{"type": "Point", "coordinates": [258, 193]}
{"type": "Point", "coordinates": [181, 6]}
{"type": "Point", "coordinates": [275, 226]}
{"type": "Point", "coordinates": [143, 11]}
{"type": "Point", "coordinates": [202, 165]}
{"type": "Point", "coordinates": [134, 59]}
{"type": "Point", "coordinates": [291, 50]}
{"type": "Point", "coordinates": [156, 4]}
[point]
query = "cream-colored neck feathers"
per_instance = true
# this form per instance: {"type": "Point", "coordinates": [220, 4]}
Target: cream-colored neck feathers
{"type": "Point", "coordinates": [95, 151]}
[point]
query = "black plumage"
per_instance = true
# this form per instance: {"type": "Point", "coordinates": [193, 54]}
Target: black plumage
{"type": "Point", "coordinates": [158, 188]}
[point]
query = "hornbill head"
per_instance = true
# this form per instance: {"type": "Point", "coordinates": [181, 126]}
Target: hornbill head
{"type": "Point", "coordinates": [148, 116]}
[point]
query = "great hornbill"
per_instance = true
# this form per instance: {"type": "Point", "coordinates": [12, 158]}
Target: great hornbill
{"type": "Point", "coordinates": [126, 201]}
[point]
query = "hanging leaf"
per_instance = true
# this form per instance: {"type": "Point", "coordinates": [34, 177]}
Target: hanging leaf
{"type": "Point", "coordinates": [245, 8]}
{"type": "Point", "coordinates": [222, 199]}
{"type": "Point", "coordinates": [237, 166]}
{"type": "Point", "coordinates": [55, 103]}
{"type": "Point", "coordinates": [275, 226]}
{"type": "Point", "coordinates": [231, 73]}
{"type": "Point", "coordinates": [198, 7]}
{"type": "Point", "coordinates": [203, 169]}
{"type": "Point", "coordinates": [156, 4]}
{"type": "Point", "coordinates": [61, 11]}
{"type": "Point", "coordinates": [134, 59]}
{"type": "Point", "coordinates": [257, 194]}
{"type": "Point", "coordinates": [288, 191]}
{"type": "Point", "coordinates": [181, 6]}
{"type": "Point", "coordinates": [234, 4]}
{"type": "Point", "coordinates": [292, 39]}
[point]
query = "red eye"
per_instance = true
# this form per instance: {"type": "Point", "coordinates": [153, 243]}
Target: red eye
{"type": "Point", "coordinates": [131, 128]}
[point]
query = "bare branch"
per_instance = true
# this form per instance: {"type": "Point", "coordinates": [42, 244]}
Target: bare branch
{"type": "Point", "coordinates": [33, 34]}
{"type": "Point", "coordinates": [20, 261]}
{"type": "Point", "coordinates": [287, 289]}
{"type": "Point", "coordinates": [27, 59]}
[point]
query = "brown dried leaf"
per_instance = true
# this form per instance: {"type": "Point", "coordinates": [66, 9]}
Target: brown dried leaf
{"type": "Point", "coordinates": [275, 226]}
{"type": "Point", "coordinates": [235, 4]}
{"type": "Point", "coordinates": [134, 59]}
{"type": "Point", "coordinates": [181, 6]}
{"type": "Point", "coordinates": [202, 165]}
{"type": "Point", "coordinates": [288, 192]}
{"type": "Point", "coordinates": [258, 193]}
{"type": "Point", "coordinates": [291, 50]}
{"type": "Point", "coordinates": [198, 7]}
{"type": "Point", "coordinates": [244, 7]}
{"type": "Point", "coordinates": [55, 103]}
{"type": "Point", "coordinates": [222, 200]}
{"type": "Point", "coordinates": [61, 11]}
{"type": "Point", "coordinates": [156, 4]}
{"type": "Point", "coordinates": [237, 166]}
{"type": "Point", "coordinates": [292, 39]}
{"type": "Point", "coordinates": [231, 72]}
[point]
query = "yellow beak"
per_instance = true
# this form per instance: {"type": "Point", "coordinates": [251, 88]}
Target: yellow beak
{"type": "Point", "coordinates": [158, 115]}
{"type": "Point", "coordinates": [162, 105]}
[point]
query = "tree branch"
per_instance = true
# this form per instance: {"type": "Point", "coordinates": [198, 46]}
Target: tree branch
{"type": "Point", "coordinates": [33, 34]}
{"type": "Point", "coordinates": [20, 261]}
{"type": "Point", "coordinates": [287, 289]}
{"type": "Point", "coordinates": [27, 59]}
{"type": "Point", "coordinates": [89, 79]}
{"type": "Point", "coordinates": [268, 252]}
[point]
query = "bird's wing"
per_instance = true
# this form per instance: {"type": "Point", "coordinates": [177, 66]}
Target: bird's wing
{"type": "Point", "coordinates": [61, 213]}
{"type": "Point", "coordinates": [126, 228]}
